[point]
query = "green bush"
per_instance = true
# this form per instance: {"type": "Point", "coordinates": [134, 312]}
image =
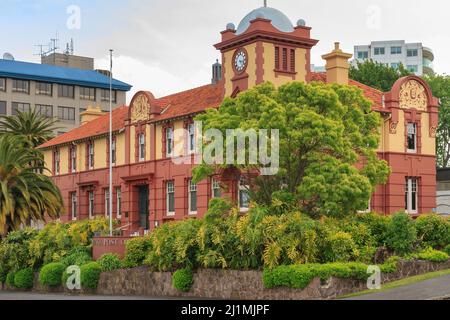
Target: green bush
{"type": "Point", "coordinates": [377, 224]}
{"type": "Point", "coordinates": [109, 262]}
{"type": "Point", "coordinates": [24, 279]}
{"type": "Point", "coordinates": [390, 265]}
{"type": "Point", "coordinates": [432, 255]}
{"type": "Point", "coordinates": [433, 230]}
{"type": "Point", "coordinates": [77, 257]}
{"type": "Point", "coordinates": [340, 247]}
{"type": "Point", "coordinates": [3, 274]}
{"type": "Point", "coordinates": [401, 233]}
{"type": "Point", "coordinates": [137, 250]}
{"type": "Point", "coordinates": [51, 274]}
{"type": "Point", "coordinates": [90, 274]}
{"type": "Point", "coordinates": [10, 279]}
{"type": "Point", "coordinates": [447, 249]}
{"type": "Point", "coordinates": [182, 280]}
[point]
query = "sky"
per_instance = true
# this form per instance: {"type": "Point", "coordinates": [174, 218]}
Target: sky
{"type": "Point", "coordinates": [166, 46]}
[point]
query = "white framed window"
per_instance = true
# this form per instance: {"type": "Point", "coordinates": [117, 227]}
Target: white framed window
{"type": "Point", "coordinates": [215, 185]}
{"type": "Point", "coordinates": [192, 196]}
{"type": "Point", "coordinates": [113, 153]}
{"type": "Point", "coordinates": [170, 198]}
{"type": "Point", "coordinates": [379, 51]}
{"type": "Point", "coordinates": [191, 138]}
{"type": "Point", "coordinates": [57, 162]}
{"type": "Point", "coordinates": [91, 204]}
{"type": "Point", "coordinates": [411, 195]}
{"type": "Point", "coordinates": [243, 195]}
{"type": "Point", "coordinates": [119, 203]}
{"type": "Point", "coordinates": [91, 156]}
{"type": "Point", "coordinates": [412, 137]}
{"type": "Point", "coordinates": [169, 142]}
{"type": "Point", "coordinates": [396, 50]}
{"type": "Point", "coordinates": [412, 53]}
{"type": "Point", "coordinates": [73, 159]}
{"type": "Point", "coordinates": [106, 202]}
{"type": "Point", "coordinates": [73, 205]}
{"type": "Point", "coordinates": [141, 147]}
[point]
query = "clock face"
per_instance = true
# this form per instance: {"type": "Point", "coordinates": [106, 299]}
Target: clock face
{"type": "Point", "coordinates": [240, 61]}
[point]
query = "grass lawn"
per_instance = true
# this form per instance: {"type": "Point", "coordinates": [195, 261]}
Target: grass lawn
{"type": "Point", "coordinates": [400, 283]}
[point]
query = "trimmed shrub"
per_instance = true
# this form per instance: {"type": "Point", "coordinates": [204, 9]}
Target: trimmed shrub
{"type": "Point", "coordinates": [51, 274]}
{"type": "Point", "coordinates": [340, 247]}
{"type": "Point", "coordinates": [3, 274]}
{"type": "Point", "coordinates": [182, 280]}
{"type": "Point", "coordinates": [447, 249]}
{"type": "Point", "coordinates": [10, 279]}
{"type": "Point", "coordinates": [24, 279]}
{"type": "Point", "coordinates": [390, 265]}
{"type": "Point", "coordinates": [401, 233]}
{"type": "Point", "coordinates": [109, 262]}
{"type": "Point", "coordinates": [90, 274]}
{"type": "Point", "coordinates": [433, 230]}
{"type": "Point", "coordinates": [137, 250]}
{"type": "Point", "coordinates": [432, 255]}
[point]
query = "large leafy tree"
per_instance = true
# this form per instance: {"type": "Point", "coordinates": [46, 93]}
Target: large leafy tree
{"type": "Point", "coordinates": [440, 86]}
{"type": "Point", "coordinates": [377, 75]}
{"type": "Point", "coordinates": [25, 194]}
{"type": "Point", "coordinates": [35, 128]}
{"type": "Point", "coordinates": [328, 139]}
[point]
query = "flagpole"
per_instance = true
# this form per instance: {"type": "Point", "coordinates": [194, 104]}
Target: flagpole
{"type": "Point", "coordinates": [110, 147]}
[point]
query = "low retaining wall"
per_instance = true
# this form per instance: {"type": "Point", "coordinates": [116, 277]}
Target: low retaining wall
{"type": "Point", "coordinates": [233, 284]}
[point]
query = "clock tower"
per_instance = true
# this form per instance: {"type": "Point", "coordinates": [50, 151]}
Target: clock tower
{"type": "Point", "coordinates": [264, 47]}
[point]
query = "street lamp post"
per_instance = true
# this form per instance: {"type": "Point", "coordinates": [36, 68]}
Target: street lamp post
{"type": "Point", "coordinates": [110, 147]}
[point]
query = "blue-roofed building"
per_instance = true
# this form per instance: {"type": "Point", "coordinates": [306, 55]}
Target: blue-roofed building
{"type": "Point", "coordinates": [56, 91]}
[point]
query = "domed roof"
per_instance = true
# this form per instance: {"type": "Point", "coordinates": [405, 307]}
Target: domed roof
{"type": "Point", "coordinates": [278, 18]}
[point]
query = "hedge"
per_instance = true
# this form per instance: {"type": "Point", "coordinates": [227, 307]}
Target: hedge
{"type": "Point", "coordinates": [300, 276]}
{"type": "Point", "coordinates": [109, 262]}
{"type": "Point", "coordinates": [51, 274]}
{"type": "Point", "coordinates": [90, 274]}
{"type": "Point", "coordinates": [182, 280]}
{"type": "Point", "coordinates": [10, 279]}
{"type": "Point", "coordinates": [431, 255]}
{"type": "Point", "coordinates": [24, 279]}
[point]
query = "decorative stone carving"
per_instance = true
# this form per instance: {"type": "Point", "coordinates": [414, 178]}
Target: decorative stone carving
{"type": "Point", "coordinates": [433, 132]}
{"type": "Point", "coordinates": [140, 109]}
{"type": "Point", "coordinates": [393, 127]}
{"type": "Point", "coordinates": [413, 95]}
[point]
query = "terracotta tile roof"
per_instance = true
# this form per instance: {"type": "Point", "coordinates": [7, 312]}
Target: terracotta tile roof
{"type": "Point", "coordinates": [177, 105]}
{"type": "Point", "coordinates": [376, 96]}
{"type": "Point", "coordinates": [189, 102]}
{"type": "Point", "coordinates": [94, 128]}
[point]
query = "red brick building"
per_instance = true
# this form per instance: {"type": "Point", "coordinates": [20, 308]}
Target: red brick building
{"type": "Point", "coordinates": [149, 189]}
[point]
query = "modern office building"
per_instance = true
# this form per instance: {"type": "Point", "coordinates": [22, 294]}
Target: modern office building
{"type": "Point", "coordinates": [151, 186]}
{"type": "Point", "coordinates": [414, 56]}
{"type": "Point", "coordinates": [55, 91]}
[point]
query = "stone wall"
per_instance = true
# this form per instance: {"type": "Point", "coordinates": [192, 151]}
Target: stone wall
{"type": "Point", "coordinates": [232, 284]}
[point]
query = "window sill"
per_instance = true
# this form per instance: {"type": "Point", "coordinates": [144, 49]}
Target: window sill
{"type": "Point", "coordinates": [170, 214]}
{"type": "Point", "coordinates": [193, 213]}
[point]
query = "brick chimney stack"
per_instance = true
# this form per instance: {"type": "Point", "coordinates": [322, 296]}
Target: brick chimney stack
{"type": "Point", "coordinates": [337, 65]}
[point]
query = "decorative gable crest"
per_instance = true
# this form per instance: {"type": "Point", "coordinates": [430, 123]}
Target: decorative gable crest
{"type": "Point", "coordinates": [413, 95]}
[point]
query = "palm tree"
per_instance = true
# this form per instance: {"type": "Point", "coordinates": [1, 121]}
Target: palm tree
{"type": "Point", "coordinates": [35, 128]}
{"type": "Point", "coordinates": [25, 194]}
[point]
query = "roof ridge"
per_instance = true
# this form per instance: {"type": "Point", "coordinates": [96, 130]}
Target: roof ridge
{"type": "Point", "coordinates": [185, 91]}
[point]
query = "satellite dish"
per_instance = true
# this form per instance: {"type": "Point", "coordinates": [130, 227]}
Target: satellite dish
{"type": "Point", "coordinates": [8, 56]}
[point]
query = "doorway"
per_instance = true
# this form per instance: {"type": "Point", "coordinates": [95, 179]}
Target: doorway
{"type": "Point", "coordinates": [143, 204]}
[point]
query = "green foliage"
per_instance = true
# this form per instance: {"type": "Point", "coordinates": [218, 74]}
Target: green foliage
{"type": "Point", "coordinates": [324, 130]}
{"type": "Point", "coordinates": [10, 279]}
{"type": "Point", "coordinates": [77, 256]}
{"type": "Point", "coordinates": [51, 274]}
{"type": "Point", "coordinates": [182, 280]}
{"type": "Point", "coordinates": [14, 251]}
{"type": "Point", "coordinates": [136, 252]}
{"type": "Point", "coordinates": [440, 86]}
{"type": "Point", "coordinates": [433, 230]}
{"type": "Point", "coordinates": [24, 279]}
{"type": "Point", "coordinates": [25, 194]}
{"type": "Point", "coordinates": [90, 274]}
{"type": "Point", "coordinates": [340, 247]}
{"type": "Point", "coordinates": [401, 233]}
{"type": "Point", "coordinates": [390, 265]}
{"type": "Point", "coordinates": [430, 254]}
{"type": "Point", "coordinates": [377, 75]}
{"type": "Point", "coordinates": [109, 262]}
{"type": "Point", "coordinates": [447, 249]}
{"type": "Point", "coordinates": [300, 276]}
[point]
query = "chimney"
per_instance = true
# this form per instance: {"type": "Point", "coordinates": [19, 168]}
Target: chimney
{"type": "Point", "coordinates": [91, 114]}
{"type": "Point", "coordinates": [337, 65]}
{"type": "Point", "coordinates": [216, 72]}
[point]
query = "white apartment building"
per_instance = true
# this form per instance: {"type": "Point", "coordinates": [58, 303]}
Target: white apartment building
{"type": "Point", "coordinates": [414, 56]}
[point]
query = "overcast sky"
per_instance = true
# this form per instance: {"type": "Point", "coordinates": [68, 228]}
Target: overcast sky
{"type": "Point", "coordinates": [165, 46]}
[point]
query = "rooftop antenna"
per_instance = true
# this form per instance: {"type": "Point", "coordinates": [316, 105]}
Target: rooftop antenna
{"type": "Point", "coordinates": [265, 3]}
{"type": "Point", "coordinates": [50, 48]}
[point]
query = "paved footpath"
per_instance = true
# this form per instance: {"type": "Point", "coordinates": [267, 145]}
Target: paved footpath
{"type": "Point", "coordinates": [7, 295]}
{"type": "Point", "coordinates": [433, 289]}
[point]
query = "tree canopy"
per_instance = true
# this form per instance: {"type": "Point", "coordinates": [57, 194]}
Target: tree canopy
{"type": "Point", "coordinates": [377, 75]}
{"type": "Point", "coordinates": [328, 138]}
